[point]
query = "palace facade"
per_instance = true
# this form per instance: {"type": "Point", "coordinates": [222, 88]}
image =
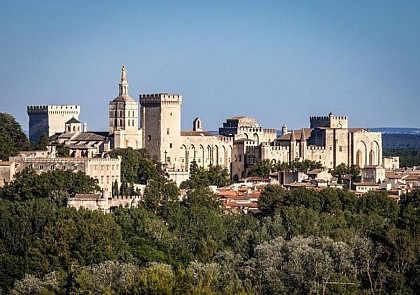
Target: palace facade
{"type": "Point", "coordinates": [240, 143]}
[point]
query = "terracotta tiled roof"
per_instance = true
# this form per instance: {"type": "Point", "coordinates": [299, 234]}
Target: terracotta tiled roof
{"type": "Point", "coordinates": [395, 176]}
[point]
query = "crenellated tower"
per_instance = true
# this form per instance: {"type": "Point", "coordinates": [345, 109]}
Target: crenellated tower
{"type": "Point", "coordinates": [161, 127]}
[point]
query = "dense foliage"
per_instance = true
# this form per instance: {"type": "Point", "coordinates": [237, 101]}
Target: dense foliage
{"type": "Point", "coordinates": [409, 157]}
{"type": "Point", "coordinates": [304, 241]}
{"type": "Point", "coordinates": [55, 185]}
{"type": "Point", "coordinates": [200, 177]}
{"type": "Point", "coordinates": [265, 167]}
{"type": "Point", "coordinates": [12, 138]}
{"type": "Point", "coordinates": [136, 166]}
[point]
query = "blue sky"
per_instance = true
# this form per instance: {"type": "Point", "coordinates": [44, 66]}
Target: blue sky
{"type": "Point", "coordinates": [277, 61]}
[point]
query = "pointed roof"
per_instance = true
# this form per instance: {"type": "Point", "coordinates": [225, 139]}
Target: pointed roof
{"type": "Point", "coordinates": [293, 137]}
{"type": "Point", "coordinates": [302, 136]}
{"type": "Point", "coordinates": [73, 120]}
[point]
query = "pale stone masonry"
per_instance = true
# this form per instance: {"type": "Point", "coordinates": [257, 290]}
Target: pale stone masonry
{"type": "Point", "coordinates": [124, 118]}
{"type": "Point", "coordinates": [49, 119]}
{"type": "Point", "coordinates": [105, 170]}
{"type": "Point", "coordinates": [176, 149]}
{"type": "Point", "coordinates": [328, 141]}
{"type": "Point", "coordinates": [240, 144]}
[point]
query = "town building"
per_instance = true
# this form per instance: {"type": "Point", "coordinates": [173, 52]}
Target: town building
{"type": "Point", "coordinates": [80, 142]}
{"type": "Point", "coordinates": [7, 171]}
{"type": "Point", "coordinates": [106, 171]}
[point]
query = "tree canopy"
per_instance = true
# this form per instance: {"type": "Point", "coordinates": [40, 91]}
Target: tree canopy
{"type": "Point", "coordinates": [12, 138]}
{"type": "Point", "coordinates": [201, 177]}
{"type": "Point", "coordinates": [303, 241]}
{"type": "Point", "coordinates": [56, 185]}
{"type": "Point", "coordinates": [137, 166]}
{"type": "Point", "coordinates": [265, 167]}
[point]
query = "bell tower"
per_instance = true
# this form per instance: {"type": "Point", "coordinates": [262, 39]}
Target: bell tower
{"type": "Point", "coordinates": [124, 117]}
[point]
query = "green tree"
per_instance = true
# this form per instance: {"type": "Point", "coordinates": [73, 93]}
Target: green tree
{"type": "Point", "coordinates": [261, 169]}
{"type": "Point", "coordinates": [343, 169]}
{"type": "Point", "coordinates": [159, 191]}
{"type": "Point", "coordinates": [57, 185]}
{"type": "Point", "coordinates": [272, 198]}
{"type": "Point", "coordinates": [12, 138]}
{"type": "Point", "coordinates": [200, 177]}
{"type": "Point", "coordinates": [137, 166]}
{"type": "Point", "coordinates": [43, 142]}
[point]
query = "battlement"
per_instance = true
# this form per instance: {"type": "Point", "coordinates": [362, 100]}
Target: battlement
{"type": "Point", "coordinates": [252, 147]}
{"type": "Point", "coordinates": [225, 139]}
{"type": "Point", "coordinates": [316, 148]}
{"type": "Point", "coordinates": [54, 107]}
{"type": "Point", "coordinates": [279, 148]}
{"type": "Point", "coordinates": [43, 109]}
{"type": "Point", "coordinates": [327, 117]}
{"type": "Point", "coordinates": [329, 121]}
{"type": "Point", "coordinates": [270, 130]}
{"type": "Point", "coordinates": [160, 98]}
{"type": "Point", "coordinates": [104, 160]}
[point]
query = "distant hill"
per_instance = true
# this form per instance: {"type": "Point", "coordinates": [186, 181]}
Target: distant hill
{"type": "Point", "coordinates": [400, 138]}
{"type": "Point", "coordinates": [396, 130]}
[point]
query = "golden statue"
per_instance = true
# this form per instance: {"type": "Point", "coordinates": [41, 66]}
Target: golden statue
{"type": "Point", "coordinates": [123, 76]}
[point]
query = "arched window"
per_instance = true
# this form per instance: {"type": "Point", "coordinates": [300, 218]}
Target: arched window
{"type": "Point", "coordinates": [359, 158]}
{"type": "Point", "coordinates": [371, 157]}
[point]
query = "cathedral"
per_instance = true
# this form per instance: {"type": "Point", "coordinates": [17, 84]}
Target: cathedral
{"type": "Point", "coordinates": [240, 142]}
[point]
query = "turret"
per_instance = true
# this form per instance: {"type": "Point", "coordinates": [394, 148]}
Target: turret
{"type": "Point", "coordinates": [284, 129]}
{"type": "Point", "coordinates": [197, 125]}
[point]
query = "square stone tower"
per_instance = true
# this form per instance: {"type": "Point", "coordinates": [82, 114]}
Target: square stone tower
{"type": "Point", "coordinates": [161, 126]}
{"type": "Point", "coordinates": [49, 119]}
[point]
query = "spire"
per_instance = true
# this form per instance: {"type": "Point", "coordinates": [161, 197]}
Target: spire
{"type": "Point", "coordinates": [293, 137]}
{"type": "Point", "coordinates": [123, 74]}
{"type": "Point", "coordinates": [124, 83]}
{"type": "Point", "coordinates": [303, 137]}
